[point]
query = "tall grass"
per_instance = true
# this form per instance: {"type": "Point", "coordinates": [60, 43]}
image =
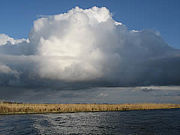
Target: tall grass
{"type": "Point", "coordinates": [18, 108]}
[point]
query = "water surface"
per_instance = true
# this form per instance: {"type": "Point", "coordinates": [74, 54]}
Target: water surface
{"type": "Point", "coordinates": [148, 122]}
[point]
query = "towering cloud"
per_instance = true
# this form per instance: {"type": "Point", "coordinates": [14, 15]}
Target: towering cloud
{"type": "Point", "coordinates": [87, 47]}
{"type": "Point", "coordinates": [78, 45]}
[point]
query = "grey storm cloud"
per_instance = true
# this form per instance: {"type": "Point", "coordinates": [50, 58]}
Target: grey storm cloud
{"type": "Point", "coordinates": [87, 48]}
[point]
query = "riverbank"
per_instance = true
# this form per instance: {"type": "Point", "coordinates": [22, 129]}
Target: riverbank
{"type": "Point", "coordinates": [21, 108]}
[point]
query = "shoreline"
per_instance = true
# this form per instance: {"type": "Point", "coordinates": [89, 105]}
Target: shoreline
{"type": "Point", "coordinates": [21, 108]}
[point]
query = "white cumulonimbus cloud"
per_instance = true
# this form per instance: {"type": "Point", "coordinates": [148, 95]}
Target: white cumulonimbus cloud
{"type": "Point", "coordinates": [77, 45]}
{"type": "Point", "coordinates": [83, 45]}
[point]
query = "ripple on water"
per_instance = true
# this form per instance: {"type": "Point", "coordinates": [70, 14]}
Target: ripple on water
{"type": "Point", "coordinates": [152, 122]}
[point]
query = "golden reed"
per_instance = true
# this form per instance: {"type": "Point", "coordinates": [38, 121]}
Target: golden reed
{"type": "Point", "coordinates": [20, 108]}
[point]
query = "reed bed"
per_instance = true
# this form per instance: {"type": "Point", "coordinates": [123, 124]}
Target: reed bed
{"type": "Point", "coordinates": [20, 108]}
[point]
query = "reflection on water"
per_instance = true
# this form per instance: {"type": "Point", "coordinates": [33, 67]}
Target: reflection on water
{"type": "Point", "coordinates": [152, 122]}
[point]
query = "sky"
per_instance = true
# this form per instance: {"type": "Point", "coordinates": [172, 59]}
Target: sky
{"type": "Point", "coordinates": [161, 15]}
{"type": "Point", "coordinates": [89, 51]}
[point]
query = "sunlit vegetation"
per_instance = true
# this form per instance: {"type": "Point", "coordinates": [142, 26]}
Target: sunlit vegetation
{"type": "Point", "coordinates": [20, 108]}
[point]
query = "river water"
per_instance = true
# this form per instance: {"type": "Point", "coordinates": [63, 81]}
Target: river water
{"type": "Point", "coordinates": [148, 122]}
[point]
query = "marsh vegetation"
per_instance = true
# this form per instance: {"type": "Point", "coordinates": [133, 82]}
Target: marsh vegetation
{"type": "Point", "coordinates": [21, 108]}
